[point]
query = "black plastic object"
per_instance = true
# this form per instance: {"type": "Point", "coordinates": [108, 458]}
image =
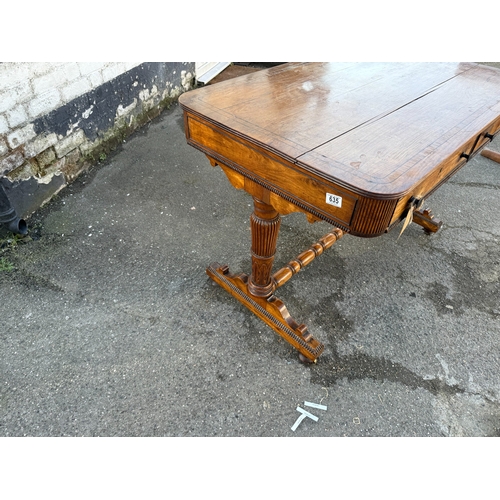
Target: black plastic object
{"type": "Point", "coordinates": [8, 216]}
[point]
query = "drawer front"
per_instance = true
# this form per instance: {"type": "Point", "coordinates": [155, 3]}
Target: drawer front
{"type": "Point", "coordinates": [446, 169]}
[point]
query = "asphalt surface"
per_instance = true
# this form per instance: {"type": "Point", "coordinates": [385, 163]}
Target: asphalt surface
{"type": "Point", "coordinates": [110, 326]}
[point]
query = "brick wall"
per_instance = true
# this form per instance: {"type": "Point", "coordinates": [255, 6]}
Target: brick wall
{"type": "Point", "coordinates": [57, 119]}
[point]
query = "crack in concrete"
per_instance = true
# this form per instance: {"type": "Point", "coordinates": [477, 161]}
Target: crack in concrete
{"type": "Point", "coordinates": [479, 185]}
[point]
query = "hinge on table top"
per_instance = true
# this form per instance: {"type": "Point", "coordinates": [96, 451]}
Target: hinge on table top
{"type": "Point", "coordinates": [467, 156]}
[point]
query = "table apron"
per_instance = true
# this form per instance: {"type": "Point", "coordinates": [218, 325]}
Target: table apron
{"type": "Point", "coordinates": [358, 215]}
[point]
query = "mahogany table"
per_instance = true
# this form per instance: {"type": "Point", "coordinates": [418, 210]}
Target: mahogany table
{"type": "Point", "coordinates": [359, 145]}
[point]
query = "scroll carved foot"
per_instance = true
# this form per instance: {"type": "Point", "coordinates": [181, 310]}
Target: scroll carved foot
{"type": "Point", "coordinates": [271, 310]}
{"type": "Point", "coordinates": [425, 219]}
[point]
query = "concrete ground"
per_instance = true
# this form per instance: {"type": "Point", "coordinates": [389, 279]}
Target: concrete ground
{"type": "Point", "coordinates": [110, 327]}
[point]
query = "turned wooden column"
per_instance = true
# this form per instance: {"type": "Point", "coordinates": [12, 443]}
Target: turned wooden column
{"type": "Point", "coordinates": [265, 224]}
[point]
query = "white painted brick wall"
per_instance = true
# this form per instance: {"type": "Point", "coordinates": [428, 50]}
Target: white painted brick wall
{"type": "Point", "coordinates": [46, 82]}
{"type": "Point", "coordinates": [44, 103]}
{"type": "Point", "coordinates": [69, 143]}
{"type": "Point", "coordinates": [17, 94]}
{"type": "Point", "coordinates": [4, 126]}
{"type": "Point", "coordinates": [12, 74]}
{"type": "Point", "coordinates": [95, 78]}
{"type": "Point", "coordinates": [111, 72]}
{"type": "Point", "coordinates": [3, 147]}
{"type": "Point", "coordinates": [76, 88]}
{"type": "Point", "coordinates": [39, 144]}
{"type": "Point", "coordinates": [36, 146]}
{"type": "Point", "coordinates": [11, 162]}
{"type": "Point", "coordinates": [21, 136]}
{"type": "Point", "coordinates": [30, 90]}
{"type": "Point", "coordinates": [16, 116]}
{"type": "Point", "coordinates": [86, 68]}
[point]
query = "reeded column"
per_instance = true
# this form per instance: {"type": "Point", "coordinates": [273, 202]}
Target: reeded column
{"type": "Point", "coordinates": [265, 224]}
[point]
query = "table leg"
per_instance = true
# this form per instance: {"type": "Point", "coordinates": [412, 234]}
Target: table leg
{"type": "Point", "coordinates": [265, 225]}
{"type": "Point", "coordinates": [256, 292]}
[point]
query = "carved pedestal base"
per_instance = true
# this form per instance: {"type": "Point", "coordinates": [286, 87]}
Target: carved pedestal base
{"type": "Point", "coordinates": [270, 310]}
{"type": "Point", "coordinates": [256, 292]}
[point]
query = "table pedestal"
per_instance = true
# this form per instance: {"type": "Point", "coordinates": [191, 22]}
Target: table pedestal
{"type": "Point", "coordinates": [256, 292]}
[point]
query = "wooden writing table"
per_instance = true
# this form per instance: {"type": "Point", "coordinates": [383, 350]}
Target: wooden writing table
{"type": "Point", "coordinates": [358, 145]}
